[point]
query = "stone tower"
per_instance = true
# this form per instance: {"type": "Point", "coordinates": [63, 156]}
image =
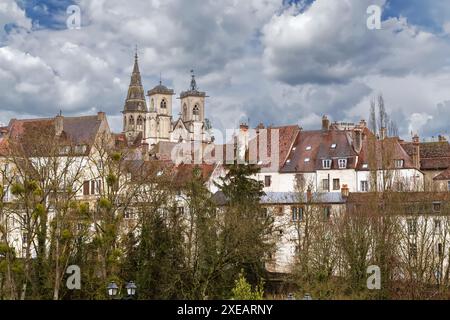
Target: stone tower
{"type": "Point", "coordinates": [135, 109]}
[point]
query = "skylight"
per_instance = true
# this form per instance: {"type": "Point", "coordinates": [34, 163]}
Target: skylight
{"type": "Point", "coordinates": [307, 159]}
{"type": "Point", "coordinates": [333, 146]}
{"type": "Point", "coordinates": [308, 148]}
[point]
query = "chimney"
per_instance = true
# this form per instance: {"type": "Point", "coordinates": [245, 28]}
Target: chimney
{"type": "Point", "coordinates": [363, 123]}
{"type": "Point", "coordinates": [345, 191]}
{"type": "Point", "coordinates": [442, 138]}
{"type": "Point", "coordinates": [325, 123]}
{"type": "Point", "coordinates": [308, 195]}
{"type": "Point", "coordinates": [357, 139]}
{"type": "Point", "coordinates": [59, 124]}
{"type": "Point", "coordinates": [383, 133]}
{"type": "Point", "coordinates": [416, 154]}
{"type": "Point", "coordinates": [242, 141]}
{"type": "Point", "coordinates": [101, 116]}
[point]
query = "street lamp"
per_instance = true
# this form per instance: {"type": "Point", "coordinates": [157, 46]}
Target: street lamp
{"type": "Point", "coordinates": [112, 289]}
{"type": "Point", "coordinates": [131, 289]}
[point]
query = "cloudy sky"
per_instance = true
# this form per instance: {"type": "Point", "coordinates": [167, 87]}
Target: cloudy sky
{"type": "Point", "coordinates": [272, 61]}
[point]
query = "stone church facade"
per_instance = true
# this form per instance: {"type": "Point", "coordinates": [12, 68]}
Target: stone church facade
{"type": "Point", "coordinates": [151, 120]}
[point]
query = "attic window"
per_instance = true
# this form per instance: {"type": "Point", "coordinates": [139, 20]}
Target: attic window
{"type": "Point", "coordinates": [342, 163]}
{"type": "Point", "coordinates": [326, 164]}
{"type": "Point", "coordinates": [333, 146]}
{"type": "Point", "coordinates": [399, 164]}
{"type": "Point", "coordinates": [308, 148]}
{"type": "Point", "coordinates": [307, 159]}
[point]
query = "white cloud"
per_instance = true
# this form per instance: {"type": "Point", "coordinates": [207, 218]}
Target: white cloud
{"type": "Point", "coordinates": [255, 59]}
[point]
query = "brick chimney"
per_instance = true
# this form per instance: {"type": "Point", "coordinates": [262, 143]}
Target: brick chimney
{"type": "Point", "coordinates": [383, 133]}
{"type": "Point", "coordinates": [325, 123]}
{"type": "Point", "coordinates": [357, 138]}
{"type": "Point", "coordinates": [59, 124]}
{"type": "Point", "coordinates": [416, 154]}
{"type": "Point", "coordinates": [345, 191]}
{"type": "Point", "coordinates": [101, 116]}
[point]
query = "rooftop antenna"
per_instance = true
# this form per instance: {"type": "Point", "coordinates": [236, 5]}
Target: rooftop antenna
{"type": "Point", "coordinates": [160, 78]}
{"type": "Point", "coordinates": [136, 51]}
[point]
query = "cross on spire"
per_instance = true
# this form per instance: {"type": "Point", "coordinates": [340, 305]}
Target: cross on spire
{"type": "Point", "coordinates": [193, 82]}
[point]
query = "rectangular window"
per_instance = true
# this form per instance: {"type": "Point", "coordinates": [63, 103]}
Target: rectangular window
{"type": "Point", "coordinates": [93, 186]}
{"type": "Point", "coordinates": [437, 227]}
{"type": "Point", "coordinates": [326, 164]}
{"type": "Point", "coordinates": [336, 184]}
{"type": "Point", "coordinates": [399, 164]}
{"type": "Point", "coordinates": [297, 214]}
{"type": "Point", "coordinates": [180, 211]}
{"type": "Point", "coordinates": [364, 186]}
{"type": "Point", "coordinates": [86, 188]}
{"type": "Point", "coordinates": [327, 213]}
{"type": "Point", "coordinates": [267, 181]}
{"type": "Point", "coordinates": [325, 184]}
{"type": "Point", "coordinates": [342, 163]}
{"type": "Point", "coordinates": [333, 146]}
{"type": "Point", "coordinates": [440, 249]}
{"type": "Point", "coordinates": [436, 207]}
{"type": "Point", "coordinates": [412, 226]}
{"type": "Point", "coordinates": [448, 185]}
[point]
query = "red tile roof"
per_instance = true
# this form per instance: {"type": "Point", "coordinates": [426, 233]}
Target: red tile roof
{"type": "Point", "coordinates": [433, 155]}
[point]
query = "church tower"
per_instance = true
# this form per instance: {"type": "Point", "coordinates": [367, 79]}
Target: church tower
{"type": "Point", "coordinates": [160, 113]}
{"type": "Point", "coordinates": [193, 110]}
{"type": "Point", "coordinates": [135, 109]}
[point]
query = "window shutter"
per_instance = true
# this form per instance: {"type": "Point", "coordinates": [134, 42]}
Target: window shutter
{"type": "Point", "coordinates": [86, 188]}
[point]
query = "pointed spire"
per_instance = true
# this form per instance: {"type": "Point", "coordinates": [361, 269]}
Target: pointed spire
{"type": "Point", "coordinates": [135, 98]}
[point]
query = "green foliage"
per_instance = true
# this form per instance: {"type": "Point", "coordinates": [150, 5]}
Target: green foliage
{"type": "Point", "coordinates": [243, 290]}
{"type": "Point", "coordinates": [17, 189]}
{"type": "Point", "coordinates": [38, 211]}
{"type": "Point", "coordinates": [111, 179]}
{"type": "Point", "coordinates": [104, 204]}
{"type": "Point", "coordinates": [116, 156]}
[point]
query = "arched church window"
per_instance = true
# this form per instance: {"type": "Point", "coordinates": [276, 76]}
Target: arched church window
{"type": "Point", "coordinates": [140, 123]}
{"type": "Point", "coordinates": [152, 105]}
{"type": "Point", "coordinates": [196, 112]}
{"type": "Point", "coordinates": [185, 111]}
{"type": "Point", "coordinates": [131, 121]}
{"type": "Point", "coordinates": [163, 104]}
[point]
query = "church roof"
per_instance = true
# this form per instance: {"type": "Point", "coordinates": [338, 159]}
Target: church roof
{"type": "Point", "coordinates": [135, 98]}
{"type": "Point", "coordinates": [160, 89]}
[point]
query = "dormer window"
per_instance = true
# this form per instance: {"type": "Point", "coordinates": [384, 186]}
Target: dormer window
{"type": "Point", "coordinates": [399, 163]}
{"type": "Point", "coordinates": [333, 146]}
{"type": "Point", "coordinates": [326, 164]}
{"type": "Point", "coordinates": [308, 148]}
{"type": "Point", "coordinates": [342, 163]}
